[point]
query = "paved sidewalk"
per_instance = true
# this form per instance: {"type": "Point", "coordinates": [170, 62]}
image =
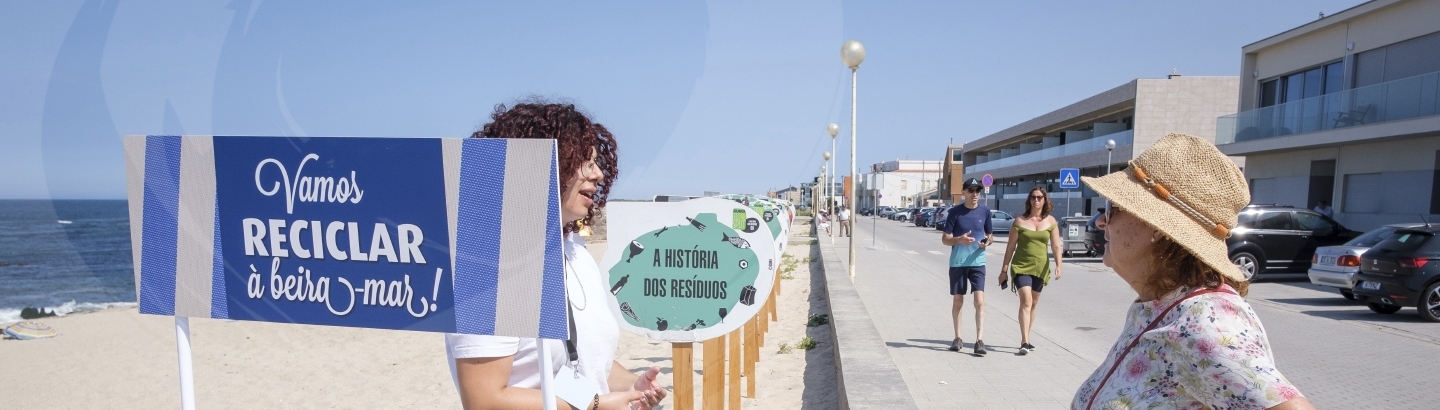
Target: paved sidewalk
{"type": "Point", "coordinates": [903, 285]}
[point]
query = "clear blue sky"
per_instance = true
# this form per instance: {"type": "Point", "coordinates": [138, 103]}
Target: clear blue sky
{"type": "Point", "coordinates": [728, 96]}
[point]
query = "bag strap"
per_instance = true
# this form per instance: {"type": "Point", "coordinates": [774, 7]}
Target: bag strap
{"type": "Point", "coordinates": [1153, 323]}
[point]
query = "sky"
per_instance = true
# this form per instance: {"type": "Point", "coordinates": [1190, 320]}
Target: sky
{"type": "Point", "coordinates": [729, 96]}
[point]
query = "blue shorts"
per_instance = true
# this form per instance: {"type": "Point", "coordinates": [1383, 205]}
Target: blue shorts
{"type": "Point", "coordinates": [1035, 283]}
{"type": "Point", "coordinates": [960, 276]}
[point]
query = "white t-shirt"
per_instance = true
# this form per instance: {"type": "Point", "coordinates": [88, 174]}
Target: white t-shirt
{"type": "Point", "coordinates": [595, 328]}
{"type": "Point", "coordinates": [844, 214]}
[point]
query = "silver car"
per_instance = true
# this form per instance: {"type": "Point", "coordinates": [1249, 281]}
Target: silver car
{"type": "Point", "coordinates": [1335, 266]}
{"type": "Point", "coordinates": [1001, 221]}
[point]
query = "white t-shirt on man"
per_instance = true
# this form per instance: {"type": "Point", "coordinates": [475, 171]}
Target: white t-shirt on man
{"type": "Point", "coordinates": [595, 328]}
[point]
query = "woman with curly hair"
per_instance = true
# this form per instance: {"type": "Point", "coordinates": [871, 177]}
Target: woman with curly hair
{"type": "Point", "coordinates": [498, 372]}
{"type": "Point", "coordinates": [1190, 340]}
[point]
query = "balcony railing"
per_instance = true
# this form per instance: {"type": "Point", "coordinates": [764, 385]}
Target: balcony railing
{"type": "Point", "coordinates": [1092, 144]}
{"type": "Point", "coordinates": [1402, 99]}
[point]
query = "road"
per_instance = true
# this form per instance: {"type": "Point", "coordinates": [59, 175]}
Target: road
{"type": "Point", "coordinates": [1337, 352]}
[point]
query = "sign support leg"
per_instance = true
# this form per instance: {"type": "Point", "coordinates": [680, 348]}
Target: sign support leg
{"type": "Point", "coordinates": [714, 377]}
{"type": "Point", "coordinates": [187, 371]}
{"type": "Point", "coordinates": [547, 380]}
{"type": "Point", "coordinates": [683, 362]}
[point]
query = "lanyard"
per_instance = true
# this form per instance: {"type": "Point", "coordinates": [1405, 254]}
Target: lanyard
{"type": "Point", "coordinates": [1153, 323]}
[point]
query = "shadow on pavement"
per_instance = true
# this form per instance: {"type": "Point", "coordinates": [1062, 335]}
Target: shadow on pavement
{"type": "Point", "coordinates": [1408, 315]}
{"type": "Point", "coordinates": [936, 345]}
{"type": "Point", "coordinates": [1329, 301]}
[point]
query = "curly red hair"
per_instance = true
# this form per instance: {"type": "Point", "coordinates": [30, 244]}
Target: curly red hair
{"type": "Point", "coordinates": [575, 134]}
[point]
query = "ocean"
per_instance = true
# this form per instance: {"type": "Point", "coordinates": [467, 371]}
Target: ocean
{"type": "Point", "coordinates": [67, 256]}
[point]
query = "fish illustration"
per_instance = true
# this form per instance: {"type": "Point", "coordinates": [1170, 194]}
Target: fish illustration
{"type": "Point", "coordinates": [635, 249]}
{"type": "Point", "coordinates": [661, 324]}
{"type": "Point", "coordinates": [625, 308]}
{"type": "Point", "coordinates": [696, 224]}
{"type": "Point", "coordinates": [735, 240]}
{"type": "Point", "coordinates": [615, 290]}
{"type": "Point", "coordinates": [662, 230]}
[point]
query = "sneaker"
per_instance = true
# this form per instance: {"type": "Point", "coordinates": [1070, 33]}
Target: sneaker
{"type": "Point", "coordinates": [1028, 346]}
{"type": "Point", "coordinates": [980, 348]}
{"type": "Point", "coordinates": [1024, 349]}
{"type": "Point", "coordinates": [956, 345]}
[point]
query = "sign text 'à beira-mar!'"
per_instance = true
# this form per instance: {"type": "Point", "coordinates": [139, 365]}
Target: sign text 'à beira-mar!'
{"type": "Point", "coordinates": [390, 233]}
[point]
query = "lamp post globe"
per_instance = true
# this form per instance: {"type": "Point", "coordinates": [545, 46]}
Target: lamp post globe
{"type": "Point", "coordinates": [1109, 154]}
{"type": "Point", "coordinates": [852, 53]}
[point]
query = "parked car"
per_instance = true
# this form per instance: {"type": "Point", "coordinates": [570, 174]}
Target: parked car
{"type": "Point", "coordinates": [937, 221]}
{"type": "Point", "coordinates": [1401, 271]}
{"type": "Point", "coordinates": [865, 211]}
{"type": "Point", "coordinates": [1276, 238]}
{"type": "Point", "coordinates": [900, 214]}
{"type": "Point", "coordinates": [923, 215]}
{"type": "Point", "coordinates": [1335, 266]}
{"type": "Point", "coordinates": [884, 211]}
{"type": "Point", "coordinates": [1001, 221]}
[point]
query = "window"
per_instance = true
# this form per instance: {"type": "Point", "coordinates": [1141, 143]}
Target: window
{"type": "Point", "coordinates": [1407, 58]}
{"type": "Point", "coordinates": [1312, 82]}
{"type": "Point", "coordinates": [1274, 220]}
{"type": "Point", "coordinates": [1314, 222]}
{"type": "Point", "coordinates": [902, 184]}
{"type": "Point", "coordinates": [955, 156]}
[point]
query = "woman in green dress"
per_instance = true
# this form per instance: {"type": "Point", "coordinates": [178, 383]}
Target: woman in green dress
{"type": "Point", "coordinates": [1026, 261]}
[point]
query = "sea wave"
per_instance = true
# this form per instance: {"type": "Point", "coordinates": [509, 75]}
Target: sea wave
{"type": "Point", "coordinates": [13, 315]}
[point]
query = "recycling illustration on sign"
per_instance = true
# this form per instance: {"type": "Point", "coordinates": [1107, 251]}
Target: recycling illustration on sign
{"type": "Point", "coordinates": [700, 260]}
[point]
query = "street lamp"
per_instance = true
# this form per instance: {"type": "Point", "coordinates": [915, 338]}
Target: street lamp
{"type": "Point", "coordinates": [833, 130]}
{"type": "Point", "coordinates": [1109, 156]}
{"type": "Point", "coordinates": [852, 53]}
{"type": "Point", "coordinates": [829, 205]}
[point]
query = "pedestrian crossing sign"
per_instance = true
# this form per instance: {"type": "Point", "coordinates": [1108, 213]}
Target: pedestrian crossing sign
{"type": "Point", "coordinates": [1069, 178]}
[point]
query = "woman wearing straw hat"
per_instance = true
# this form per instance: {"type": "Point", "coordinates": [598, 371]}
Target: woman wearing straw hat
{"type": "Point", "coordinates": [1030, 266]}
{"type": "Point", "coordinates": [1190, 340]}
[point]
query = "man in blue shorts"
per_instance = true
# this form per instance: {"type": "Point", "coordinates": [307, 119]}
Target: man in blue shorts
{"type": "Point", "coordinates": [967, 232]}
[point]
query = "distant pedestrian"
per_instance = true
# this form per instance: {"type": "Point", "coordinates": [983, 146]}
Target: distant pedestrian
{"type": "Point", "coordinates": [967, 233]}
{"type": "Point", "coordinates": [824, 222]}
{"type": "Point", "coordinates": [1029, 268]}
{"type": "Point", "coordinates": [1190, 340]}
{"type": "Point", "coordinates": [1324, 209]}
{"type": "Point", "coordinates": [844, 217]}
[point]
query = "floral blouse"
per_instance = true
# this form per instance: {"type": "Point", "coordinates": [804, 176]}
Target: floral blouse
{"type": "Point", "coordinates": [1209, 352]}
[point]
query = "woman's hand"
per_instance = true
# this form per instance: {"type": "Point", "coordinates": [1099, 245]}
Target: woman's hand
{"type": "Point", "coordinates": [652, 392]}
{"type": "Point", "coordinates": [619, 400]}
{"type": "Point", "coordinates": [1058, 274]}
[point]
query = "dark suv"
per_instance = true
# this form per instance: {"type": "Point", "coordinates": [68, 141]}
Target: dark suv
{"type": "Point", "coordinates": [1402, 270]}
{"type": "Point", "coordinates": [1275, 238]}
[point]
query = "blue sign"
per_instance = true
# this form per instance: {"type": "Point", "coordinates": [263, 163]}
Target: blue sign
{"type": "Point", "coordinates": [987, 180]}
{"type": "Point", "coordinates": [387, 233]}
{"type": "Point", "coordinates": [1069, 178]}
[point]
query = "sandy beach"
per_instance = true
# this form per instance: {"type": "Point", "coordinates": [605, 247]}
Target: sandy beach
{"type": "Point", "coordinates": [118, 358]}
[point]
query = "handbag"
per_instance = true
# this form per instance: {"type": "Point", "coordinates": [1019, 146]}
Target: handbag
{"type": "Point", "coordinates": [1121, 358]}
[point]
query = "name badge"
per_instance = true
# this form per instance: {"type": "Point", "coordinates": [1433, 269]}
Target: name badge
{"type": "Point", "coordinates": [575, 389]}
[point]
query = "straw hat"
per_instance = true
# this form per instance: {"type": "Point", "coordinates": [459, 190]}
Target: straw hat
{"type": "Point", "coordinates": [1189, 191]}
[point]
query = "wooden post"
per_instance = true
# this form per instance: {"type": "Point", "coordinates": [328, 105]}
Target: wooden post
{"type": "Point", "coordinates": [732, 384]}
{"type": "Point", "coordinates": [752, 355]}
{"type": "Point", "coordinates": [714, 382]}
{"type": "Point", "coordinates": [683, 370]}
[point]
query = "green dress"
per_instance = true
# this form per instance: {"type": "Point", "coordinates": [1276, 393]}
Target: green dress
{"type": "Point", "coordinates": [1032, 256]}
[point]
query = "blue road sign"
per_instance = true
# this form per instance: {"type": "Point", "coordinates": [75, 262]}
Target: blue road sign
{"type": "Point", "coordinates": [1069, 178]}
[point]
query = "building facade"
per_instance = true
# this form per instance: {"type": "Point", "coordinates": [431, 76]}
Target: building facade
{"type": "Point", "coordinates": [1134, 115]}
{"type": "Point", "coordinates": [900, 184]}
{"type": "Point", "coordinates": [1344, 109]}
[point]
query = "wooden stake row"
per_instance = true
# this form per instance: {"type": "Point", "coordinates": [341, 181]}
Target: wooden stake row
{"type": "Point", "coordinates": [743, 345]}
